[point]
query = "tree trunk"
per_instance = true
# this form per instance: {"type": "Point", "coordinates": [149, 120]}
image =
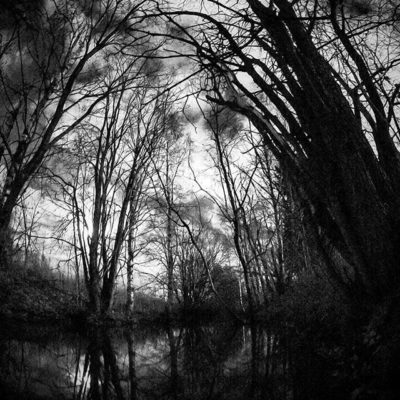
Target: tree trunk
{"type": "Point", "coordinates": [8, 201]}
{"type": "Point", "coordinates": [348, 186]}
{"type": "Point", "coordinates": [130, 289]}
{"type": "Point", "coordinates": [170, 262]}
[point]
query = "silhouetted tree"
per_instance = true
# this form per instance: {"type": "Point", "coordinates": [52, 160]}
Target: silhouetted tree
{"type": "Point", "coordinates": [318, 83]}
{"type": "Point", "coordinates": [55, 56]}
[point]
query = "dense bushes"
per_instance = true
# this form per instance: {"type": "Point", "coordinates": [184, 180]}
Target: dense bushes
{"type": "Point", "coordinates": [30, 290]}
{"type": "Point", "coordinates": [311, 301]}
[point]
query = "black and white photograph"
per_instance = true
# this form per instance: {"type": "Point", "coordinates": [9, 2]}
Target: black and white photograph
{"type": "Point", "coordinates": [199, 199]}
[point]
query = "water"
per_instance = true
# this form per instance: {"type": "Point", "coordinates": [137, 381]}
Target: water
{"type": "Point", "coordinates": [213, 362]}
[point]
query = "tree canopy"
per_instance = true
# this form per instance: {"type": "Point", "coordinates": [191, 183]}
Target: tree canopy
{"type": "Point", "coordinates": [318, 81]}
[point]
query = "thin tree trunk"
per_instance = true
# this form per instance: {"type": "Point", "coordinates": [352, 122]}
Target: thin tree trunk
{"type": "Point", "coordinates": [130, 289]}
{"type": "Point", "coordinates": [169, 227]}
{"type": "Point", "coordinates": [170, 263]}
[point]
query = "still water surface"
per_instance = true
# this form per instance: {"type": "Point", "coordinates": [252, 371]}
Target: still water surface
{"type": "Point", "coordinates": [213, 362]}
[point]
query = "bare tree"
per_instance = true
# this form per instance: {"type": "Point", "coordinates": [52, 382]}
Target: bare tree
{"type": "Point", "coordinates": [54, 58]}
{"type": "Point", "coordinates": [252, 204]}
{"type": "Point", "coordinates": [110, 167]}
{"type": "Point", "coordinates": [165, 185]}
{"type": "Point", "coordinates": [305, 74]}
{"type": "Point", "coordinates": [196, 272]}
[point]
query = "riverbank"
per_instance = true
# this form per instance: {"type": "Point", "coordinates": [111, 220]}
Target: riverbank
{"type": "Point", "coordinates": [361, 350]}
{"type": "Point", "coordinates": [37, 296]}
{"type": "Point", "coordinates": [252, 361]}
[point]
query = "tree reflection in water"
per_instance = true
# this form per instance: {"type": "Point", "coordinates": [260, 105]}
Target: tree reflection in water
{"type": "Point", "coordinates": [213, 362]}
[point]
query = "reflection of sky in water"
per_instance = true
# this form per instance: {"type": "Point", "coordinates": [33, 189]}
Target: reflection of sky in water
{"type": "Point", "coordinates": [45, 369]}
{"type": "Point", "coordinates": [151, 357]}
{"type": "Point", "coordinates": [190, 361]}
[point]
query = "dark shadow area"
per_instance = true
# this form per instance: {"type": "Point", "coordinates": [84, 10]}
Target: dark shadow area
{"type": "Point", "coordinates": [197, 362]}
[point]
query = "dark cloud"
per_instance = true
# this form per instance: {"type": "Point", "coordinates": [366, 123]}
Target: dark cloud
{"type": "Point", "coordinates": [20, 11]}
